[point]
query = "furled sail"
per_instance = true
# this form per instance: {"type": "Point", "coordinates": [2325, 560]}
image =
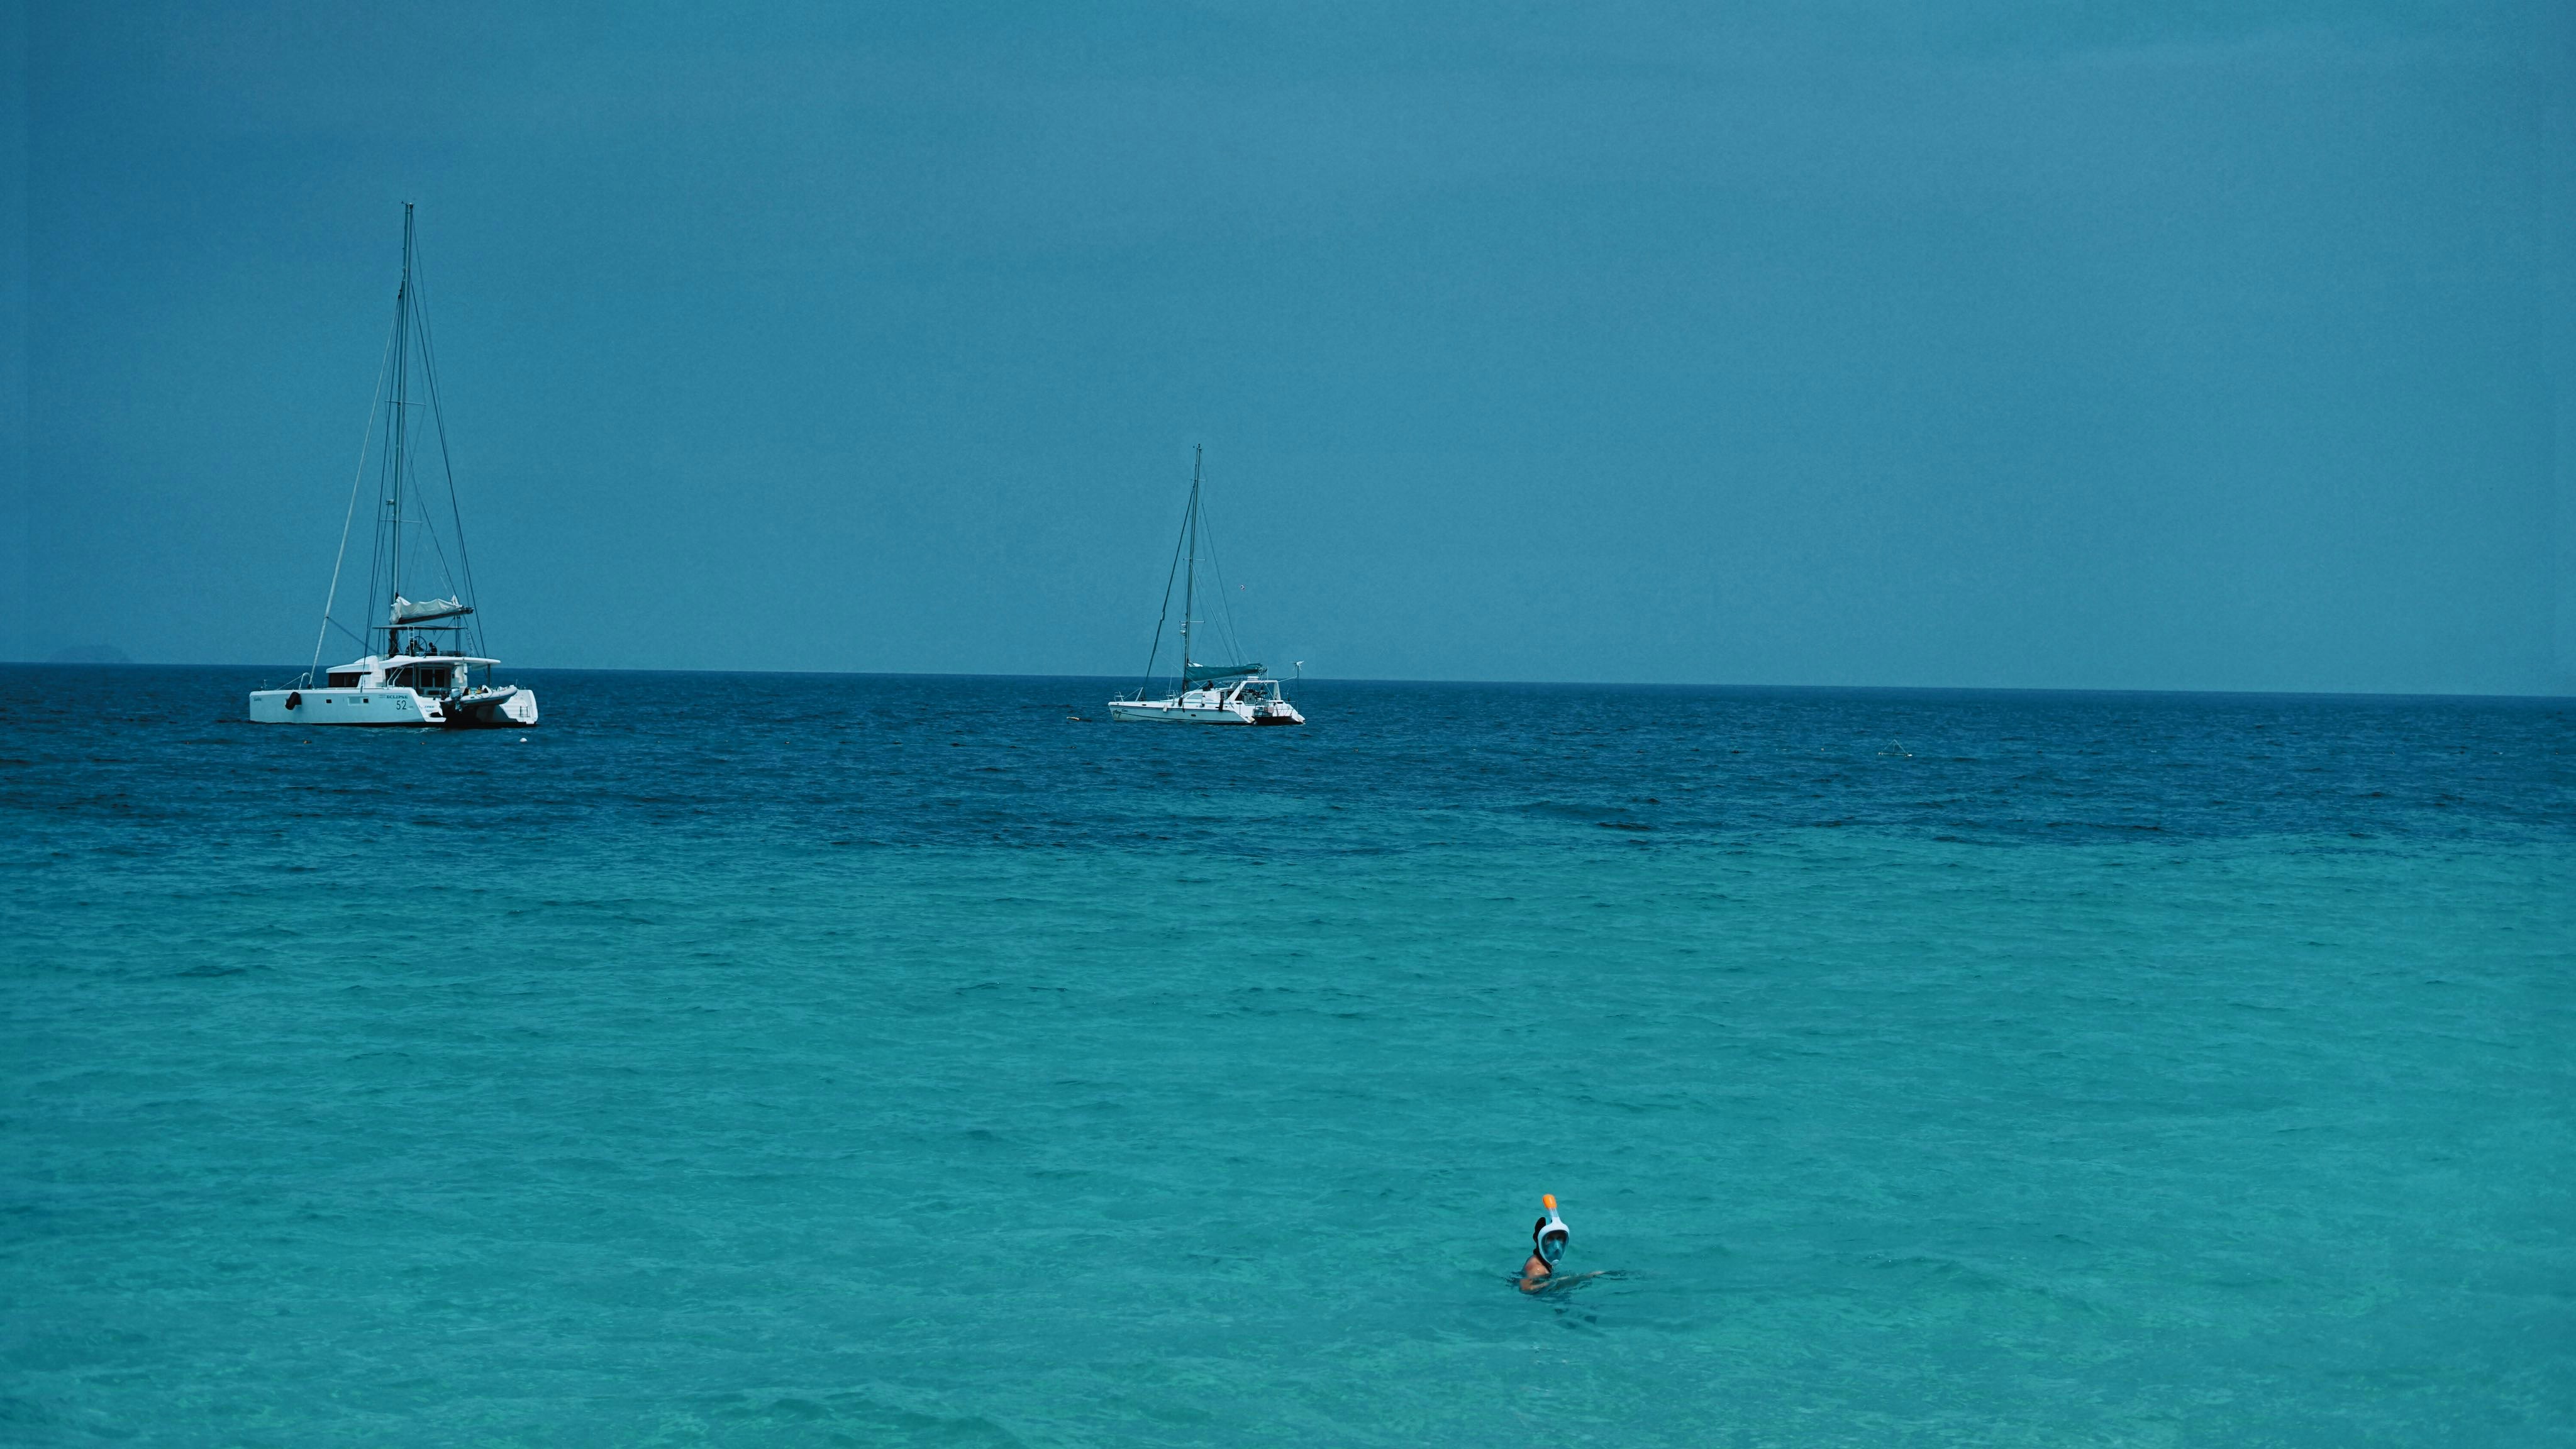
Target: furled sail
{"type": "Point", "coordinates": [1222, 671]}
{"type": "Point", "coordinates": [407, 611]}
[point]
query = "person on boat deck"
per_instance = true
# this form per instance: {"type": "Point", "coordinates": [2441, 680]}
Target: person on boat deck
{"type": "Point", "coordinates": [1548, 1238]}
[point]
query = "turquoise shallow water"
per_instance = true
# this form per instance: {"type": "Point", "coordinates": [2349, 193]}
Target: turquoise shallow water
{"type": "Point", "coordinates": [912, 1065]}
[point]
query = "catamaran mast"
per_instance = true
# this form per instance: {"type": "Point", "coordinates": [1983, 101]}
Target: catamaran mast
{"type": "Point", "coordinates": [1190, 583]}
{"type": "Point", "coordinates": [398, 451]}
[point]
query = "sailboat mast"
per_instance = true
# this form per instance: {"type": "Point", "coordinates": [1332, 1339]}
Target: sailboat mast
{"type": "Point", "coordinates": [400, 426]}
{"type": "Point", "coordinates": [1190, 584]}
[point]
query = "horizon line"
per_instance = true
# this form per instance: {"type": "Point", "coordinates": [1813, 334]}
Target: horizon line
{"type": "Point", "coordinates": [2567, 696]}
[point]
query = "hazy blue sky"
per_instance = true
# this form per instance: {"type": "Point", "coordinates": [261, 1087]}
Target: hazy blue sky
{"type": "Point", "coordinates": [2170, 346]}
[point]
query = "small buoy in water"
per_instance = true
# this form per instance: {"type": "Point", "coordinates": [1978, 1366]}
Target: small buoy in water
{"type": "Point", "coordinates": [523, 739]}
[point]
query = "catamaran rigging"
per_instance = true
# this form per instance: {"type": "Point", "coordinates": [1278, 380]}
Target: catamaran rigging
{"type": "Point", "coordinates": [439, 675]}
{"type": "Point", "coordinates": [1220, 694]}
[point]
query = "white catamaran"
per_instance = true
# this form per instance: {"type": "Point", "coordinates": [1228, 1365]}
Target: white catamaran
{"type": "Point", "coordinates": [1211, 694]}
{"type": "Point", "coordinates": [438, 674]}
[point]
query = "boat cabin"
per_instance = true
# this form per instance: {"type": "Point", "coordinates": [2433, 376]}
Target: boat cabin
{"type": "Point", "coordinates": [1241, 691]}
{"type": "Point", "coordinates": [436, 674]}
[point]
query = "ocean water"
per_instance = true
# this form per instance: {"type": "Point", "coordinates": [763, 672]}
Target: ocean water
{"type": "Point", "coordinates": [805, 1060]}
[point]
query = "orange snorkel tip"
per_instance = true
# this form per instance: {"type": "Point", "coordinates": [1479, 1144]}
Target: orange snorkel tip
{"type": "Point", "coordinates": [1547, 1200]}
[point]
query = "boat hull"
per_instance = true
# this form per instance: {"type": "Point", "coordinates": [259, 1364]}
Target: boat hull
{"type": "Point", "coordinates": [498, 710]}
{"type": "Point", "coordinates": [393, 709]}
{"type": "Point", "coordinates": [1156, 712]}
{"type": "Point", "coordinates": [1163, 711]}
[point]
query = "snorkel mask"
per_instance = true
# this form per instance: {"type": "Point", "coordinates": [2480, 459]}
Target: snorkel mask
{"type": "Point", "coordinates": [1550, 1233]}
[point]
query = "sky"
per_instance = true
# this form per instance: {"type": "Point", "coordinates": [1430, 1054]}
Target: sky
{"type": "Point", "coordinates": [2045, 345]}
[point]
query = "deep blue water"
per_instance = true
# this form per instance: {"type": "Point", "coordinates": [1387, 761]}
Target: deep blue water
{"type": "Point", "coordinates": [851, 1060]}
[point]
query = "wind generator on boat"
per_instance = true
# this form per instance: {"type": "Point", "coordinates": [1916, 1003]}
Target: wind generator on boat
{"type": "Point", "coordinates": [432, 670]}
{"type": "Point", "coordinates": [1211, 694]}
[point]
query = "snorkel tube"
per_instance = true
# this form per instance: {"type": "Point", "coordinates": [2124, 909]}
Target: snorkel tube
{"type": "Point", "coordinates": [1549, 1235]}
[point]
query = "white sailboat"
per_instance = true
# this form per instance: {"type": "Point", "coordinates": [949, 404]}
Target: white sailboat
{"type": "Point", "coordinates": [437, 675]}
{"type": "Point", "coordinates": [1206, 694]}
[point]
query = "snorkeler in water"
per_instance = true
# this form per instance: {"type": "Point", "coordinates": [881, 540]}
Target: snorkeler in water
{"type": "Point", "coordinates": [1548, 1238]}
